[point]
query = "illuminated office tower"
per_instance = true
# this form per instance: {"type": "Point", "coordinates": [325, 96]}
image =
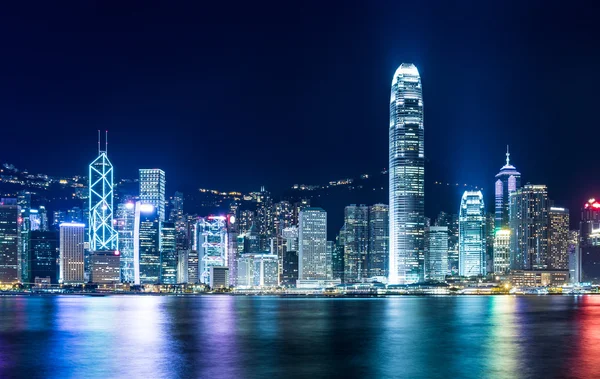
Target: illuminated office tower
{"type": "Point", "coordinates": [125, 225]}
{"type": "Point", "coordinates": [24, 203]}
{"type": "Point", "coordinates": [502, 252]}
{"type": "Point", "coordinates": [312, 244]}
{"type": "Point", "coordinates": [508, 180]}
{"type": "Point", "coordinates": [10, 244]}
{"type": "Point", "coordinates": [282, 216]}
{"type": "Point", "coordinates": [232, 249]}
{"type": "Point", "coordinates": [436, 253]}
{"type": "Point", "coordinates": [356, 219]}
{"type": "Point", "coordinates": [406, 176]}
{"type": "Point", "coordinates": [379, 228]}
{"type": "Point", "coordinates": [574, 256]}
{"type": "Point", "coordinates": [264, 218]}
{"type": "Point", "coordinates": [471, 234]}
{"type": "Point", "coordinates": [450, 220]}
{"type": "Point", "coordinates": [102, 235]}
{"type": "Point", "coordinates": [246, 220]}
{"type": "Point", "coordinates": [168, 253]}
{"type": "Point", "coordinates": [588, 259]}
{"type": "Point", "coordinates": [152, 189]}
{"type": "Point", "coordinates": [558, 238]}
{"type": "Point", "coordinates": [212, 245]}
{"type": "Point", "coordinates": [529, 228]}
{"type": "Point", "coordinates": [176, 213]}
{"type": "Point", "coordinates": [44, 257]}
{"type": "Point", "coordinates": [146, 247]}
{"type": "Point", "coordinates": [337, 260]}
{"type": "Point", "coordinates": [71, 258]}
{"type": "Point", "coordinates": [43, 219]}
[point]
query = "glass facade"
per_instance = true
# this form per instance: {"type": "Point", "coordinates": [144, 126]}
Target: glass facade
{"type": "Point", "coordinates": [102, 233]}
{"type": "Point", "coordinates": [471, 235]}
{"type": "Point", "coordinates": [502, 252]}
{"type": "Point", "coordinates": [146, 245]}
{"type": "Point", "coordinates": [168, 253]}
{"type": "Point", "coordinates": [406, 177]}
{"type": "Point", "coordinates": [529, 227]}
{"type": "Point", "coordinates": [312, 240]}
{"type": "Point", "coordinates": [558, 238]}
{"type": "Point", "coordinates": [356, 219]}
{"type": "Point", "coordinates": [436, 253]}
{"type": "Point", "coordinates": [152, 189]}
{"type": "Point", "coordinates": [378, 240]}
{"type": "Point", "coordinates": [508, 180]}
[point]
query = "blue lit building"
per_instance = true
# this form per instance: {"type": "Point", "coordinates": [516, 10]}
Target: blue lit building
{"type": "Point", "coordinates": [471, 235]}
{"type": "Point", "coordinates": [406, 177]}
{"type": "Point", "coordinates": [508, 180]}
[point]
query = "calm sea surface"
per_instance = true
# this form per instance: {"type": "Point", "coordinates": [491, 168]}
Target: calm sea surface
{"type": "Point", "coordinates": [270, 337]}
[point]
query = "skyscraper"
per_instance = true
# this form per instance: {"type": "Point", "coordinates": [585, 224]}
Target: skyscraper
{"type": "Point", "coordinates": [529, 228]}
{"type": "Point", "coordinates": [102, 233]}
{"type": "Point", "coordinates": [472, 238]}
{"type": "Point", "coordinates": [508, 180]}
{"type": "Point", "coordinates": [44, 256]}
{"type": "Point", "coordinates": [212, 245]}
{"type": "Point", "coordinates": [451, 221]}
{"type": "Point", "coordinates": [71, 258]}
{"type": "Point", "coordinates": [146, 247]}
{"type": "Point", "coordinates": [436, 253]}
{"type": "Point", "coordinates": [379, 228]}
{"type": "Point", "coordinates": [312, 241]}
{"type": "Point", "coordinates": [152, 189]}
{"type": "Point", "coordinates": [406, 176]}
{"type": "Point", "coordinates": [356, 248]}
{"type": "Point", "coordinates": [125, 226]}
{"type": "Point", "coordinates": [10, 244]}
{"type": "Point", "coordinates": [558, 238]}
{"type": "Point", "coordinates": [168, 253]}
{"type": "Point", "coordinates": [502, 252]}
{"type": "Point", "coordinates": [588, 259]}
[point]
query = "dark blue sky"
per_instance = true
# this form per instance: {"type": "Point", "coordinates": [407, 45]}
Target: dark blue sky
{"type": "Point", "coordinates": [234, 96]}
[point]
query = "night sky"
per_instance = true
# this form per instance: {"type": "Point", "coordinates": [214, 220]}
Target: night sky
{"type": "Point", "coordinates": [235, 96]}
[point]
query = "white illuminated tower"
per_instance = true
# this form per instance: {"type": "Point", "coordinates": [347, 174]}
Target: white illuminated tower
{"type": "Point", "coordinates": [406, 177]}
{"type": "Point", "coordinates": [101, 231]}
{"type": "Point", "coordinates": [212, 243]}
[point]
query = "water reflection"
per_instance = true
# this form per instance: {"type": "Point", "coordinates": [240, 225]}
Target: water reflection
{"type": "Point", "coordinates": [257, 337]}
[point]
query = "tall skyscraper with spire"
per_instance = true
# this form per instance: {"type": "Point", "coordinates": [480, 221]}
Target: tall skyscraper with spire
{"type": "Point", "coordinates": [507, 180]}
{"type": "Point", "coordinates": [102, 233]}
{"type": "Point", "coordinates": [406, 177]}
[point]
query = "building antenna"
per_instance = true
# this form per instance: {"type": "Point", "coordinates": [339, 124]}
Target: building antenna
{"type": "Point", "coordinates": [98, 141]}
{"type": "Point", "coordinates": [507, 156]}
{"type": "Point", "coordinates": [106, 142]}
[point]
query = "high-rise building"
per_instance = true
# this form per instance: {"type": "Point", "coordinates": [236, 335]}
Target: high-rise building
{"type": "Point", "coordinates": [436, 253]}
{"type": "Point", "coordinates": [312, 241]}
{"type": "Point", "coordinates": [257, 270]}
{"type": "Point", "coordinates": [406, 176]}
{"type": "Point", "coordinates": [508, 180]}
{"type": "Point", "coordinates": [246, 220]}
{"type": "Point", "coordinates": [282, 216]}
{"type": "Point", "coordinates": [337, 260]}
{"type": "Point", "coordinates": [558, 238]}
{"type": "Point", "coordinates": [450, 220]}
{"type": "Point", "coordinates": [502, 252]}
{"type": "Point", "coordinates": [10, 244]}
{"type": "Point", "coordinates": [356, 219]}
{"type": "Point", "coordinates": [212, 245]}
{"type": "Point", "coordinates": [71, 258]}
{"type": "Point", "coordinates": [152, 189]}
{"type": "Point", "coordinates": [471, 235]}
{"type": "Point", "coordinates": [105, 267]}
{"type": "Point", "coordinates": [24, 203]}
{"type": "Point", "coordinates": [490, 234]}
{"type": "Point", "coordinates": [146, 244]}
{"type": "Point", "coordinates": [176, 213]}
{"type": "Point", "coordinates": [290, 269]}
{"type": "Point", "coordinates": [232, 249]}
{"type": "Point", "coordinates": [168, 253]}
{"type": "Point", "coordinates": [44, 226]}
{"type": "Point", "coordinates": [379, 228]}
{"type": "Point", "coordinates": [102, 235]}
{"type": "Point", "coordinates": [589, 243]}
{"type": "Point", "coordinates": [125, 226]}
{"type": "Point", "coordinates": [264, 218]}
{"type": "Point", "coordinates": [529, 228]}
{"type": "Point", "coordinates": [574, 257]}
{"type": "Point", "coordinates": [219, 277]}
{"type": "Point", "coordinates": [44, 256]}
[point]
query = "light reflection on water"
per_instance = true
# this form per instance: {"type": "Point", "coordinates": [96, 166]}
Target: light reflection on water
{"type": "Point", "coordinates": [247, 337]}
